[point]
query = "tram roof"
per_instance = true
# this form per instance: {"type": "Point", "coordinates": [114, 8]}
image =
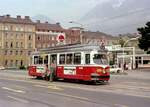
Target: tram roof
{"type": "Point", "coordinates": [73, 48]}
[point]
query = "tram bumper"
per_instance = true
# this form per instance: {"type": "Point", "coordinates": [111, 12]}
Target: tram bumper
{"type": "Point", "coordinates": [98, 77]}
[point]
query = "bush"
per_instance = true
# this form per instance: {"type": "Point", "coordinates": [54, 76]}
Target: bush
{"type": "Point", "coordinates": [22, 67]}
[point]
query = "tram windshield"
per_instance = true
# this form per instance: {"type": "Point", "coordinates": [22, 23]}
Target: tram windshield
{"type": "Point", "coordinates": [100, 59]}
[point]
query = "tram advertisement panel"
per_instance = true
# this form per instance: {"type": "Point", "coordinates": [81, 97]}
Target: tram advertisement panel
{"type": "Point", "coordinates": [40, 69]}
{"type": "Point", "coordinates": [70, 70]}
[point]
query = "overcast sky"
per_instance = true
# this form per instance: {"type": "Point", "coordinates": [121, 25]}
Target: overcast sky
{"type": "Point", "coordinates": [104, 15]}
{"type": "Point", "coordinates": [59, 10]}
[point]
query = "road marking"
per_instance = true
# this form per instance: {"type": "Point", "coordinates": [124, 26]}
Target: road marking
{"type": "Point", "coordinates": [49, 87]}
{"type": "Point", "coordinates": [75, 87]}
{"type": "Point", "coordinates": [13, 90]}
{"type": "Point", "coordinates": [119, 105]}
{"type": "Point", "coordinates": [18, 99]}
{"type": "Point", "coordinates": [72, 96]}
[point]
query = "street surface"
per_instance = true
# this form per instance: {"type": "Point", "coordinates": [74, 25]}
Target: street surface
{"type": "Point", "coordinates": [17, 89]}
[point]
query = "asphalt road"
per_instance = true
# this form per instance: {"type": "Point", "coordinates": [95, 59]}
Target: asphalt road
{"type": "Point", "coordinates": [19, 90]}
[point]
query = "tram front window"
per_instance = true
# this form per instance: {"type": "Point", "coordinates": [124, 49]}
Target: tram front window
{"type": "Point", "coordinates": [100, 59]}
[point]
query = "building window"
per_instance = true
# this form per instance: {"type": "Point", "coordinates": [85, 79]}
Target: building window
{"type": "Point", "coordinates": [17, 44]}
{"type": "Point", "coordinates": [11, 45]}
{"type": "Point", "coordinates": [21, 29]}
{"type": "Point", "coordinates": [6, 27]}
{"type": "Point", "coordinates": [52, 44]}
{"type": "Point", "coordinates": [29, 37]}
{"type": "Point", "coordinates": [29, 52]}
{"type": "Point", "coordinates": [11, 52]}
{"type": "Point", "coordinates": [52, 37]}
{"type": "Point", "coordinates": [49, 37]}
{"type": "Point", "coordinates": [17, 29]}
{"type": "Point", "coordinates": [16, 63]}
{"type": "Point", "coordinates": [21, 52]}
{"type": "Point", "coordinates": [29, 45]}
{"type": "Point", "coordinates": [11, 62]}
{"type": "Point", "coordinates": [6, 44]}
{"type": "Point", "coordinates": [16, 52]}
{"type": "Point", "coordinates": [21, 45]}
{"type": "Point", "coordinates": [16, 36]}
{"type": "Point", "coordinates": [11, 27]}
{"type": "Point", "coordinates": [6, 62]}
{"type": "Point", "coordinates": [6, 35]}
{"type": "Point", "coordinates": [6, 52]}
{"type": "Point", "coordinates": [11, 36]}
{"type": "Point", "coordinates": [38, 38]}
{"type": "Point", "coordinates": [21, 62]}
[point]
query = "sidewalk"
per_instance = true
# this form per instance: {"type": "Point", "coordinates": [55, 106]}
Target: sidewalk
{"type": "Point", "coordinates": [139, 73]}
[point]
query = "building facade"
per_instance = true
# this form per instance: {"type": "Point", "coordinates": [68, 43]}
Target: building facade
{"type": "Point", "coordinates": [17, 40]}
{"type": "Point", "coordinates": [47, 34]}
{"type": "Point", "coordinates": [20, 36]}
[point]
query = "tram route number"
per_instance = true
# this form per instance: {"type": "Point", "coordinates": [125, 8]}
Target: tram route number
{"type": "Point", "coordinates": [70, 70]}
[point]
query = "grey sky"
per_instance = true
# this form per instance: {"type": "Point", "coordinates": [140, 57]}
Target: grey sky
{"type": "Point", "coordinates": [59, 10]}
{"type": "Point", "coordinates": [94, 14]}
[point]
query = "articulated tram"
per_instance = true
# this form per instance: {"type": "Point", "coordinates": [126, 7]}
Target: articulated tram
{"type": "Point", "coordinates": [77, 61]}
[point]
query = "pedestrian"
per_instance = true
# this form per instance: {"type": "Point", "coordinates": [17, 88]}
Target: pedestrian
{"type": "Point", "coordinates": [53, 70]}
{"type": "Point", "coordinates": [47, 73]}
{"type": "Point", "coordinates": [124, 66]}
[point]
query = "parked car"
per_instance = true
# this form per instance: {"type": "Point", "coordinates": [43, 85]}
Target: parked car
{"type": "Point", "coordinates": [115, 69]}
{"type": "Point", "coordinates": [2, 68]}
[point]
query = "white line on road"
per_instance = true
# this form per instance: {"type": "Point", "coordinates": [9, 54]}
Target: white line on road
{"type": "Point", "coordinates": [13, 90]}
{"type": "Point", "coordinates": [18, 99]}
{"type": "Point", "coordinates": [119, 105]}
{"type": "Point", "coordinates": [50, 87]}
{"type": "Point", "coordinates": [77, 87]}
{"type": "Point", "coordinates": [71, 96]}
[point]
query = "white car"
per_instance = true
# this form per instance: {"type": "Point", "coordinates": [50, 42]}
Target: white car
{"type": "Point", "coordinates": [115, 69]}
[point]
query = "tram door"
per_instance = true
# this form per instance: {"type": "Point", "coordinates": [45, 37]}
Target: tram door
{"type": "Point", "coordinates": [53, 64]}
{"type": "Point", "coordinates": [53, 59]}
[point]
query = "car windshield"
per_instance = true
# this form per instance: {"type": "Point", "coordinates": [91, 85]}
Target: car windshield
{"type": "Point", "coordinates": [100, 59]}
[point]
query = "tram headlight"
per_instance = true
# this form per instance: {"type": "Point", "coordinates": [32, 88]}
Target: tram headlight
{"type": "Point", "coordinates": [104, 71]}
{"type": "Point", "coordinates": [99, 70]}
{"type": "Point", "coordinates": [107, 70]}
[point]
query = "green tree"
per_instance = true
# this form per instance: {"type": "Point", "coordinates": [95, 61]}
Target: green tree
{"type": "Point", "coordinates": [121, 40]}
{"type": "Point", "coordinates": [144, 40]}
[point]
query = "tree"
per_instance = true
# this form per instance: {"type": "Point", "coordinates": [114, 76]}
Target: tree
{"type": "Point", "coordinates": [121, 40]}
{"type": "Point", "coordinates": [144, 40]}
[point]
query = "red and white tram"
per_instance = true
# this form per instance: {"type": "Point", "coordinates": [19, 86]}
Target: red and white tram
{"type": "Point", "coordinates": [79, 62]}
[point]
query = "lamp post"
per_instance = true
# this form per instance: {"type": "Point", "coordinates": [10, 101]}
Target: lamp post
{"type": "Point", "coordinates": [133, 51]}
{"type": "Point", "coordinates": [81, 30]}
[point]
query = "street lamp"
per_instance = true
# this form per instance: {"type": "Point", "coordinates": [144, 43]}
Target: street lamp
{"type": "Point", "coordinates": [81, 29]}
{"type": "Point", "coordinates": [133, 50]}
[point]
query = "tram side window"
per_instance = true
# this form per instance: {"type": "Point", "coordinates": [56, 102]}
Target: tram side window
{"type": "Point", "coordinates": [53, 59]}
{"type": "Point", "coordinates": [46, 59]}
{"type": "Point", "coordinates": [62, 59]}
{"type": "Point", "coordinates": [77, 58]}
{"type": "Point", "coordinates": [40, 60]}
{"type": "Point", "coordinates": [36, 60]}
{"type": "Point", "coordinates": [69, 59]}
{"type": "Point", "coordinates": [87, 58]}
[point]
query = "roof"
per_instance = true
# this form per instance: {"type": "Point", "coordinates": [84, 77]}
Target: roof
{"type": "Point", "coordinates": [17, 20]}
{"type": "Point", "coordinates": [97, 34]}
{"type": "Point", "coordinates": [73, 48]}
{"type": "Point", "coordinates": [48, 26]}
